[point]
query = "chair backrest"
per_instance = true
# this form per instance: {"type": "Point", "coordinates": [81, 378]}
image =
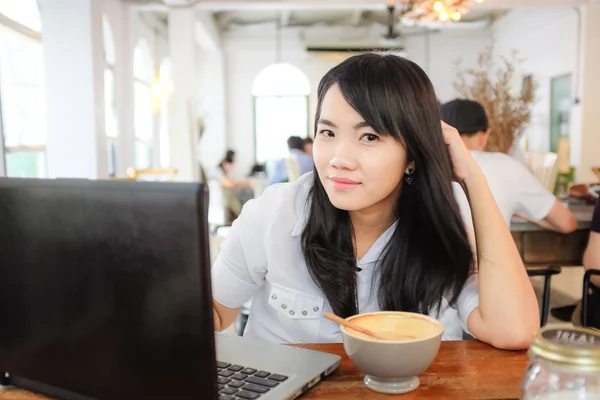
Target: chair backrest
{"type": "Point", "coordinates": [596, 170]}
{"type": "Point", "coordinates": [258, 186]}
{"type": "Point", "coordinates": [149, 174]}
{"type": "Point", "coordinates": [293, 170]}
{"type": "Point", "coordinates": [545, 168]}
{"type": "Point", "coordinates": [215, 247]}
{"type": "Point", "coordinates": [232, 205]}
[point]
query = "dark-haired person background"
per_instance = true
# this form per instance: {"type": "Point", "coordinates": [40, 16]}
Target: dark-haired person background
{"type": "Point", "coordinates": [308, 146]}
{"type": "Point", "coordinates": [236, 192]}
{"type": "Point", "coordinates": [377, 226]}
{"type": "Point", "coordinates": [514, 187]}
{"type": "Point", "coordinates": [591, 260]}
{"type": "Point", "coordinates": [302, 160]}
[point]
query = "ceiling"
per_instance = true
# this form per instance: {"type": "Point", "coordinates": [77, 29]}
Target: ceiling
{"type": "Point", "coordinates": [232, 14]}
{"type": "Point", "coordinates": [320, 17]}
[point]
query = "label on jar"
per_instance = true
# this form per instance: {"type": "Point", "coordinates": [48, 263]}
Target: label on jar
{"type": "Point", "coordinates": [573, 337]}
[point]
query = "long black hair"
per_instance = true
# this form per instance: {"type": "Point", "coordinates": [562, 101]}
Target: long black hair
{"type": "Point", "coordinates": [428, 256]}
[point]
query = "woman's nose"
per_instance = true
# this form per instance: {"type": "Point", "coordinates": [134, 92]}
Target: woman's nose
{"type": "Point", "coordinates": [344, 157]}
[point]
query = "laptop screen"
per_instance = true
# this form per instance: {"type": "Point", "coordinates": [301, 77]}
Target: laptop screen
{"type": "Point", "coordinates": [105, 288]}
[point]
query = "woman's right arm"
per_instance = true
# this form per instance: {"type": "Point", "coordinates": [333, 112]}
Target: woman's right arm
{"type": "Point", "coordinates": [224, 316]}
{"type": "Point", "coordinates": [240, 268]}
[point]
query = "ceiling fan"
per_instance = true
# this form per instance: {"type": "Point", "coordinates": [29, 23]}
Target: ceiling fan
{"type": "Point", "coordinates": [392, 37]}
{"type": "Point", "coordinates": [391, 24]}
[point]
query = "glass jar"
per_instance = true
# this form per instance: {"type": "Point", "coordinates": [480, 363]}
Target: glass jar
{"type": "Point", "coordinates": [565, 364]}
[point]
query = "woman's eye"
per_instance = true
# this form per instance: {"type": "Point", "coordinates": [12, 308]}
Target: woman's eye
{"type": "Point", "coordinates": [327, 133]}
{"type": "Point", "coordinates": [369, 137]}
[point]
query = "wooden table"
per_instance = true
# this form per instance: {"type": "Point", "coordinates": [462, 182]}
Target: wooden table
{"type": "Point", "coordinates": [462, 370]}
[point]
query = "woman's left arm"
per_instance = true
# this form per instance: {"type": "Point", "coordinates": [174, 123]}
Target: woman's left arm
{"type": "Point", "coordinates": [508, 312]}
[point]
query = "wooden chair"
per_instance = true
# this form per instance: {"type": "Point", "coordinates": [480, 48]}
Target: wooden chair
{"type": "Point", "coordinates": [596, 170]}
{"type": "Point", "coordinates": [149, 174]}
{"type": "Point", "coordinates": [545, 168]}
{"type": "Point", "coordinates": [547, 273]}
{"type": "Point", "coordinates": [293, 170]}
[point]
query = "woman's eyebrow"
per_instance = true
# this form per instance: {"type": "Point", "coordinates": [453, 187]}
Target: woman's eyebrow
{"type": "Point", "coordinates": [323, 121]}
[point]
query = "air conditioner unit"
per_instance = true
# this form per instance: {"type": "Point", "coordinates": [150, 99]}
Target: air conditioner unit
{"type": "Point", "coordinates": [340, 54]}
{"type": "Point", "coordinates": [168, 3]}
{"type": "Point", "coordinates": [179, 3]}
{"type": "Point", "coordinates": [341, 43]}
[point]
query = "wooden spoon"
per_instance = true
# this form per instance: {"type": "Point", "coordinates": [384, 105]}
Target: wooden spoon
{"type": "Point", "coordinates": [350, 325]}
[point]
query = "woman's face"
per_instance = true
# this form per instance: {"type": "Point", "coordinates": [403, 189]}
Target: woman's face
{"type": "Point", "coordinates": [227, 166]}
{"type": "Point", "coordinates": [358, 167]}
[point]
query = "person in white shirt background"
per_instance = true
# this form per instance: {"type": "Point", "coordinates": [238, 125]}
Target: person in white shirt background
{"type": "Point", "coordinates": [514, 187]}
{"type": "Point", "coordinates": [377, 225]}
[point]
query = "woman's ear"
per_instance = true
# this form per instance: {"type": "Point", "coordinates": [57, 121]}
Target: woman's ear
{"type": "Point", "coordinates": [410, 168]}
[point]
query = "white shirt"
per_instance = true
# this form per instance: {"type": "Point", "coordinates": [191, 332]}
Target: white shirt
{"type": "Point", "coordinates": [518, 153]}
{"type": "Point", "coordinates": [514, 187]}
{"type": "Point", "coordinates": [262, 258]}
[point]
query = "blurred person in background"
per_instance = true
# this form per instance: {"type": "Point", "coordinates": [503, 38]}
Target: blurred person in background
{"type": "Point", "coordinates": [298, 161]}
{"type": "Point", "coordinates": [514, 187]}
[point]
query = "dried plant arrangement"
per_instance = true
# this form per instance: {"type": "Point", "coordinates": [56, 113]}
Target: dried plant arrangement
{"type": "Point", "coordinates": [493, 86]}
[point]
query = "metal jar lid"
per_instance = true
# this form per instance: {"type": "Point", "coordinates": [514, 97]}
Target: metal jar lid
{"type": "Point", "coordinates": [578, 348]}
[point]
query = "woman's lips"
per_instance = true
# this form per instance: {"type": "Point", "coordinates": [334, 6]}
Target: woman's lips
{"type": "Point", "coordinates": [343, 183]}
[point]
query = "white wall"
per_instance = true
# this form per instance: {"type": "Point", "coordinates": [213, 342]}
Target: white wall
{"type": "Point", "coordinates": [247, 55]}
{"type": "Point", "coordinates": [440, 56]}
{"type": "Point", "coordinates": [586, 150]}
{"type": "Point", "coordinates": [546, 39]}
{"type": "Point", "coordinates": [245, 58]}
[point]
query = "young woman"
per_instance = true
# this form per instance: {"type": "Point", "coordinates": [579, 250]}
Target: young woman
{"type": "Point", "coordinates": [377, 226]}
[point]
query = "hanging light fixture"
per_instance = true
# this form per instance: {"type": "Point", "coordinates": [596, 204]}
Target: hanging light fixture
{"type": "Point", "coordinates": [432, 10]}
{"type": "Point", "coordinates": [162, 86]}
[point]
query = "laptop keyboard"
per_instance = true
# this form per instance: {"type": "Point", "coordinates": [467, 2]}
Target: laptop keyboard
{"type": "Point", "coordinates": [237, 382]}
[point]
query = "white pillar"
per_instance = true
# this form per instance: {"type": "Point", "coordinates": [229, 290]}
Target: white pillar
{"type": "Point", "coordinates": [212, 107]}
{"type": "Point", "coordinates": [73, 63]}
{"type": "Point", "coordinates": [125, 102]}
{"type": "Point", "coordinates": [211, 92]}
{"type": "Point", "coordinates": [183, 129]}
{"type": "Point", "coordinates": [590, 96]}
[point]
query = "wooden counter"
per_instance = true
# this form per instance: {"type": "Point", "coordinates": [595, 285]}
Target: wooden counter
{"type": "Point", "coordinates": [538, 246]}
{"type": "Point", "coordinates": [583, 214]}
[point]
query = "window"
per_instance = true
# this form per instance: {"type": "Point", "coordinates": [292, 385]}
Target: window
{"type": "Point", "coordinates": [164, 79]}
{"type": "Point", "coordinates": [23, 12]}
{"type": "Point", "coordinates": [110, 109]}
{"type": "Point", "coordinates": [280, 109]}
{"type": "Point", "coordinates": [143, 110]}
{"type": "Point", "coordinates": [22, 90]}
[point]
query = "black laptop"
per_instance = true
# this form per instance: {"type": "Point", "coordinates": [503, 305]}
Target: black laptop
{"type": "Point", "coordinates": [105, 294]}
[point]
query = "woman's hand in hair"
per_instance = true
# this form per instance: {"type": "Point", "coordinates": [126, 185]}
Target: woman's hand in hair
{"type": "Point", "coordinates": [462, 161]}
